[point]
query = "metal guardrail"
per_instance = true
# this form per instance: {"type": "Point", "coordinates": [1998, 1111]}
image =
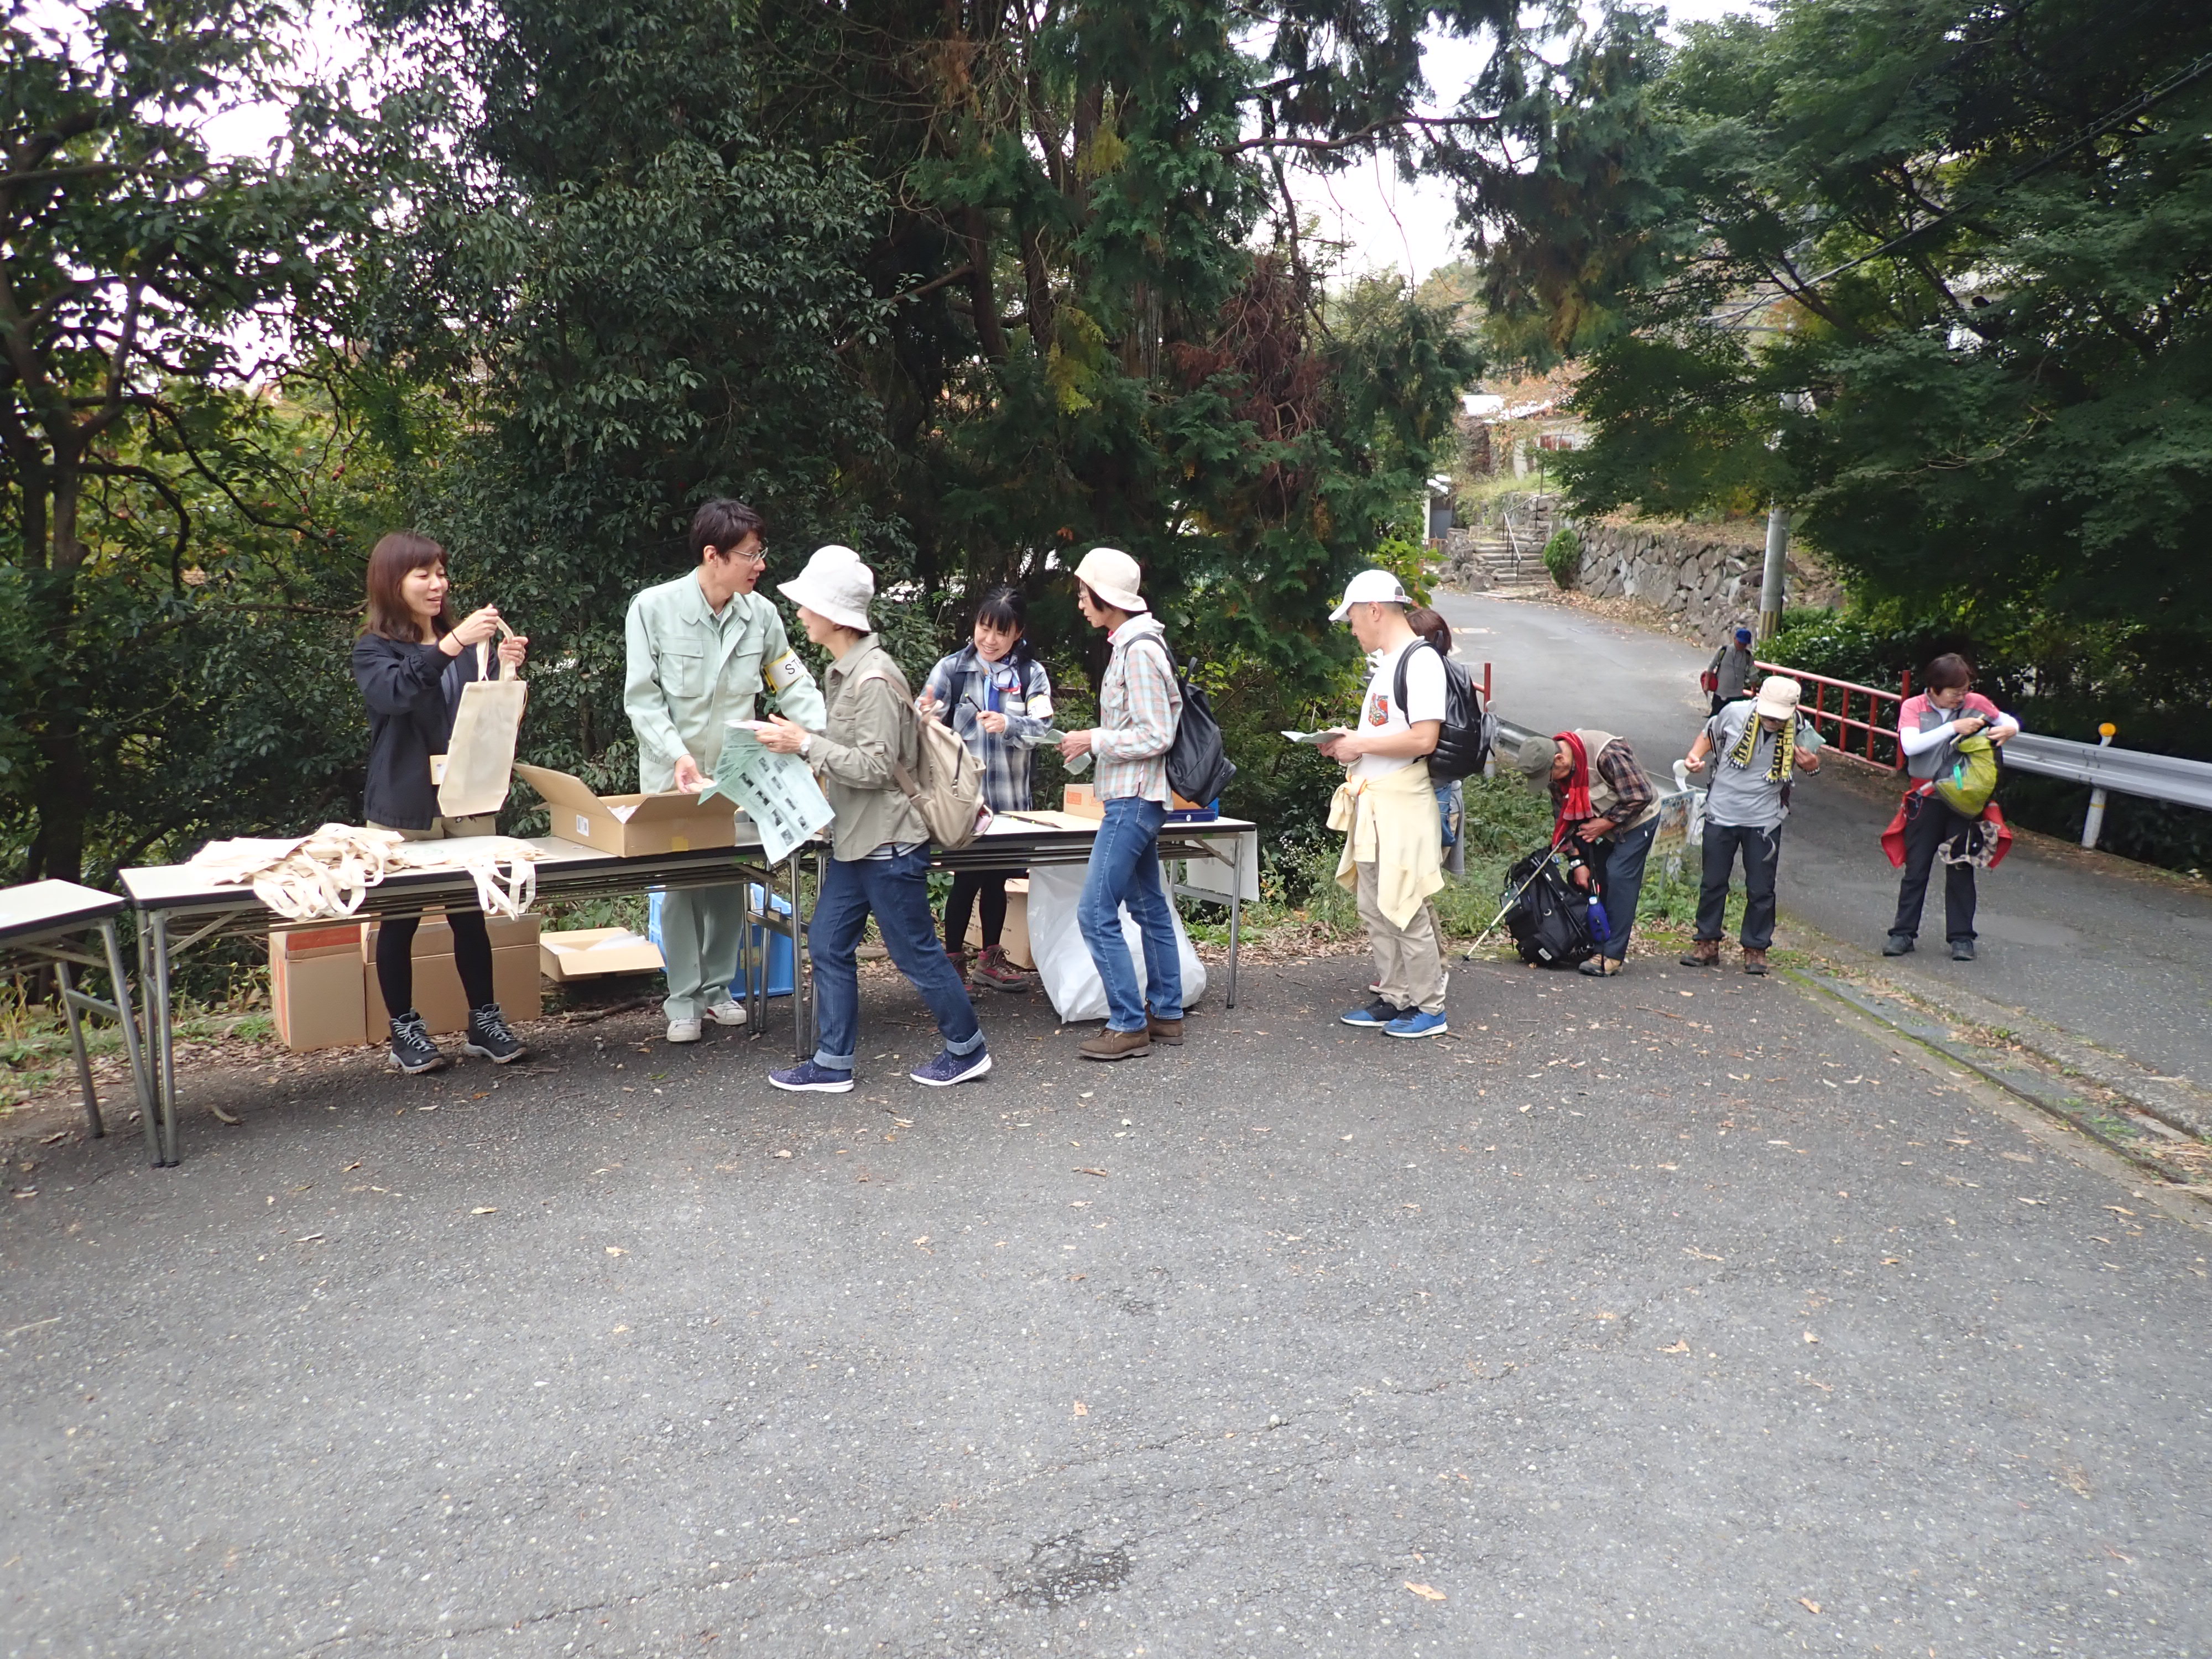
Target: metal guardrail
{"type": "Point", "coordinates": [2123, 771]}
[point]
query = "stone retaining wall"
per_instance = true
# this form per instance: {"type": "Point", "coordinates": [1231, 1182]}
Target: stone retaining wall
{"type": "Point", "coordinates": [1704, 580]}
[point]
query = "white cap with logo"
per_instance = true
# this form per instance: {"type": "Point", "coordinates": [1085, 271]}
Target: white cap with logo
{"type": "Point", "coordinates": [1368, 587]}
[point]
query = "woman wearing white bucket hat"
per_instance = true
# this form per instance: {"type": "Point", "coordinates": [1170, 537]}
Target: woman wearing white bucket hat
{"type": "Point", "coordinates": [879, 857]}
{"type": "Point", "coordinates": [1762, 744]}
{"type": "Point", "coordinates": [1139, 705]}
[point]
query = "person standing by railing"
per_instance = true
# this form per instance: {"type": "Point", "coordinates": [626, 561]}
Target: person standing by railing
{"type": "Point", "coordinates": [1929, 729]}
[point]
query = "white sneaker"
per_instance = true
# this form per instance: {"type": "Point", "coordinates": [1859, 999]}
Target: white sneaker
{"type": "Point", "coordinates": [683, 1031]}
{"type": "Point", "coordinates": [728, 1012]}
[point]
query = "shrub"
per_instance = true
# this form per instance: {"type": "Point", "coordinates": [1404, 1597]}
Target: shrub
{"type": "Point", "coordinates": [1563, 556]}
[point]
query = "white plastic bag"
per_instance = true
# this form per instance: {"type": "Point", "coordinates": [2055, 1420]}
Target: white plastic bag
{"type": "Point", "coordinates": [1063, 959]}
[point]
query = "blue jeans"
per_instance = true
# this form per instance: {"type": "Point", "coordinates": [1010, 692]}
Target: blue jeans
{"type": "Point", "coordinates": [1125, 869]}
{"type": "Point", "coordinates": [1619, 866]}
{"type": "Point", "coordinates": [896, 890]}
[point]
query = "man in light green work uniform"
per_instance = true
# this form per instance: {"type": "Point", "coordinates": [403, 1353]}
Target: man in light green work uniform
{"type": "Point", "coordinates": [702, 649]}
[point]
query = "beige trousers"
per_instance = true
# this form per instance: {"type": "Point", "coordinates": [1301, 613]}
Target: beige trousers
{"type": "Point", "coordinates": [1409, 961]}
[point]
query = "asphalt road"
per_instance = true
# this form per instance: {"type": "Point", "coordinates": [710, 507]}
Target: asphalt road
{"type": "Point", "coordinates": [2126, 962]}
{"type": "Point", "coordinates": [1656, 1317]}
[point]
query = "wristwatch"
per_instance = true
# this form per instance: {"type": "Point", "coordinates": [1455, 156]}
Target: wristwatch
{"type": "Point", "coordinates": [807, 745]}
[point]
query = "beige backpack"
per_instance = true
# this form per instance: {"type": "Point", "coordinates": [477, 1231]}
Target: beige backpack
{"type": "Point", "coordinates": [946, 786]}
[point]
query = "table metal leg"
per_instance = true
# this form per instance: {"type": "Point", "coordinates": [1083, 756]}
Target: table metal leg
{"type": "Point", "coordinates": [1235, 913]}
{"type": "Point", "coordinates": [150, 1119]}
{"type": "Point", "coordinates": [77, 1045]}
{"type": "Point", "coordinates": [162, 1038]}
{"type": "Point", "coordinates": [801, 1013]}
{"type": "Point", "coordinates": [127, 1017]}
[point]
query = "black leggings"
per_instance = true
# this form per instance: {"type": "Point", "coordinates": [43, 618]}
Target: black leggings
{"type": "Point", "coordinates": [395, 959]}
{"type": "Point", "coordinates": [968, 886]}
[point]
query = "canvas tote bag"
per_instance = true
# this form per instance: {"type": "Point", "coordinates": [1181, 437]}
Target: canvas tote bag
{"type": "Point", "coordinates": [479, 762]}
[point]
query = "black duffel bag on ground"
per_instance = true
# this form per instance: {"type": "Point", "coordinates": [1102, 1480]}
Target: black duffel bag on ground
{"type": "Point", "coordinates": [1549, 919]}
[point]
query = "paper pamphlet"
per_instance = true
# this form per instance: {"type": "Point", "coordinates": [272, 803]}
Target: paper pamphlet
{"type": "Point", "coordinates": [1316, 737]}
{"type": "Point", "coordinates": [778, 792]}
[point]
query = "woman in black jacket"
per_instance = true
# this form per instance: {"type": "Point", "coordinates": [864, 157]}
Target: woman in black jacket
{"type": "Point", "coordinates": [411, 661]}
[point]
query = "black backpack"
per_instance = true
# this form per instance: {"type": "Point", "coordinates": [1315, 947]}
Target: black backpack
{"type": "Point", "coordinates": [1469, 728]}
{"type": "Point", "coordinates": [1546, 918]}
{"type": "Point", "coordinates": [1198, 767]}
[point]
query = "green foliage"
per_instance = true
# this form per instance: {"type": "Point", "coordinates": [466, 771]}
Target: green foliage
{"type": "Point", "coordinates": [1563, 556]}
{"type": "Point", "coordinates": [164, 612]}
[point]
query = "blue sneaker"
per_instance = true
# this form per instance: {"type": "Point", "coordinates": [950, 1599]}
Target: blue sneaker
{"type": "Point", "coordinates": [1373, 1018]}
{"type": "Point", "coordinates": [810, 1078]}
{"type": "Point", "coordinates": [949, 1068]}
{"type": "Point", "coordinates": [1415, 1024]}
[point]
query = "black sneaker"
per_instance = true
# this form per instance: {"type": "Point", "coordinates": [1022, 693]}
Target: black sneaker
{"type": "Point", "coordinates": [1898, 944]}
{"type": "Point", "coordinates": [1962, 950]}
{"type": "Point", "coordinates": [412, 1050]}
{"type": "Point", "coordinates": [489, 1039]}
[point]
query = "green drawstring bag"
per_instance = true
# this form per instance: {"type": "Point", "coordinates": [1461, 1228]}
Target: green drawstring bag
{"type": "Point", "coordinates": [1971, 778]}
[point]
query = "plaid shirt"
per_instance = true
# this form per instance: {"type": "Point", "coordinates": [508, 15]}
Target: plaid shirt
{"type": "Point", "coordinates": [961, 683]}
{"type": "Point", "coordinates": [1630, 799]}
{"type": "Point", "coordinates": [1139, 705]}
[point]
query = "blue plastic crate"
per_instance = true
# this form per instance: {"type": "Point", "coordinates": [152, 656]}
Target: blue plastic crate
{"type": "Point", "coordinates": [778, 965]}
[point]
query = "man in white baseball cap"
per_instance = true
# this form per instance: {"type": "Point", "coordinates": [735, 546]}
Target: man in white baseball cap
{"type": "Point", "coordinates": [1762, 743]}
{"type": "Point", "coordinates": [1387, 807]}
{"type": "Point", "coordinates": [1139, 705]}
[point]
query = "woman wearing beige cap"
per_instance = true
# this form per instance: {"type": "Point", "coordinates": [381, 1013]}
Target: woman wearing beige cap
{"type": "Point", "coordinates": [1762, 744]}
{"type": "Point", "coordinates": [1139, 705]}
{"type": "Point", "coordinates": [879, 853]}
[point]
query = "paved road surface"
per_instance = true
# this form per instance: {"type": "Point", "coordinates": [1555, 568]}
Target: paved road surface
{"type": "Point", "coordinates": [1644, 1318]}
{"type": "Point", "coordinates": [2124, 963]}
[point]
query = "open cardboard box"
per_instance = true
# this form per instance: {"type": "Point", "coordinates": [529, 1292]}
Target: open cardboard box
{"type": "Point", "coordinates": [589, 952]}
{"type": "Point", "coordinates": [627, 825]}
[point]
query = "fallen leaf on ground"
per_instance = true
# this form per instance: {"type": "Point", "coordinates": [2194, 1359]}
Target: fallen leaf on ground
{"type": "Point", "coordinates": [485, 1209]}
{"type": "Point", "coordinates": [1702, 1255]}
{"type": "Point", "coordinates": [1427, 1592]}
{"type": "Point", "coordinates": [1101, 1173]}
{"type": "Point", "coordinates": [783, 1154]}
{"type": "Point", "coordinates": [617, 1249]}
{"type": "Point", "coordinates": [1809, 1337]}
{"type": "Point", "coordinates": [1082, 1410]}
{"type": "Point", "coordinates": [223, 1116]}
{"type": "Point", "coordinates": [1680, 1346]}
{"type": "Point", "coordinates": [1809, 1605]}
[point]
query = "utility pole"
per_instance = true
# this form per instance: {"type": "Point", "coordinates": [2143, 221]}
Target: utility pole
{"type": "Point", "coordinates": [1777, 562]}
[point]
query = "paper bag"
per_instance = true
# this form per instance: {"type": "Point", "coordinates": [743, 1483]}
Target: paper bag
{"type": "Point", "coordinates": [480, 759]}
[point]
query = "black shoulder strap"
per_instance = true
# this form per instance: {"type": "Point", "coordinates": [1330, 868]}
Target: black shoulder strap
{"type": "Point", "coordinates": [1398, 680]}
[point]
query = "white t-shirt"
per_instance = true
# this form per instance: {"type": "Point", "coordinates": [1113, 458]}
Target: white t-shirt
{"type": "Point", "coordinates": [1379, 710]}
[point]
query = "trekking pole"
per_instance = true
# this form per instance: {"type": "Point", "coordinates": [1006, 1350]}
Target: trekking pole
{"type": "Point", "coordinates": [1558, 837]}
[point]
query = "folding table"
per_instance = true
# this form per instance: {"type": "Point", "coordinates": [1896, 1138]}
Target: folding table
{"type": "Point", "coordinates": [48, 923]}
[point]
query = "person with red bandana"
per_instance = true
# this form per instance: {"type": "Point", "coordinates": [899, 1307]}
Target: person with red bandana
{"type": "Point", "coordinates": [1608, 812]}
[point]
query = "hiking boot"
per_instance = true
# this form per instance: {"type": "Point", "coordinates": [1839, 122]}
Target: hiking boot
{"type": "Point", "coordinates": [728, 1012]}
{"type": "Point", "coordinates": [412, 1051]}
{"type": "Point", "coordinates": [1373, 1018]}
{"type": "Point", "coordinates": [807, 1078]}
{"type": "Point", "coordinates": [949, 1068]}
{"type": "Point", "coordinates": [1706, 953]}
{"type": "Point", "coordinates": [1110, 1044]}
{"type": "Point", "coordinates": [1602, 967]}
{"type": "Point", "coordinates": [1168, 1031]}
{"type": "Point", "coordinates": [488, 1038]}
{"type": "Point", "coordinates": [1898, 944]}
{"type": "Point", "coordinates": [959, 959]}
{"type": "Point", "coordinates": [993, 969]}
{"type": "Point", "coordinates": [1962, 950]}
{"type": "Point", "coordinates": [1755, 961]}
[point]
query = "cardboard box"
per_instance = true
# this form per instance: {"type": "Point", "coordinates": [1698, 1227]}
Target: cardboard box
{"type": "Point", "coordinates": [438, 998]}
{"type": "Point", "coordinates": [627, 825]}
{"type": "Point", "coordinates": [1082, 801]}
{"type": "Point", "coordinates": [1014, 937]}
{"type": "Point", "coordinates": [314, 989]}
{"type": "Point", "coordinates": [589, 952]}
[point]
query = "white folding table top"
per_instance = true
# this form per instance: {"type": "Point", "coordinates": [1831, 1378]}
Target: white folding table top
{"type": "Point", "coordinates": [42, 906]}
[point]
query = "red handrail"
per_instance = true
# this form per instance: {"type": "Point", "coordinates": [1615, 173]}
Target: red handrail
{"type": "Point", "coordinates": [1840, 715]}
